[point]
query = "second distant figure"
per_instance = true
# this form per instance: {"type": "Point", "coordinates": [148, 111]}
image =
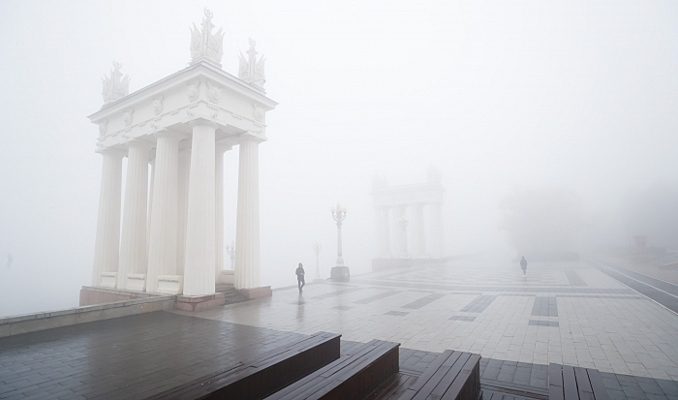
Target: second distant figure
{"type": "Point", "coordinates": [300, 277]}
{"type": "Point", "coordinates": [523, 265]}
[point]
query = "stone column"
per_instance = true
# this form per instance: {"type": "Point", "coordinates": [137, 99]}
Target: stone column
{"type": "Point", "coordinates": [246, 274]}
{"type": "Point", "coordinates": [162, 257]}
{"type": "Point", "coordinates": [383, 232]}
{"type": "Point", "coordinates": [419, 233]}
{"type": "Point", "coordinates": [184, 171]}
{"type": "Point", "coordinates": [435, 223]}
{"type": "Point", "coordinates": [219, 209]}
{"type": "Point", "coordinates": [133, 240]}
{"type": "Point", "coordinates": [200, 224]}
{"type": "Point", "coordinates": [106, 245]}
{"type": "Point", "coordinates": [401, 226]}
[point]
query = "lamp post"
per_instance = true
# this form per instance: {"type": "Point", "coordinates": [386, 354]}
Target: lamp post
{"type": "Point", "coordinates": [339, 272]}
{"type": "Point", "coordinates": [316, 249]}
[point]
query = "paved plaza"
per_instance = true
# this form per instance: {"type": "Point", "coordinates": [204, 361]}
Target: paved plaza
{"type": "Point", "coordinates": [567, 312]}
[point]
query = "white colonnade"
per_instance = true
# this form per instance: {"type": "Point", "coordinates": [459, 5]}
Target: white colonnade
{"type": "Point", "coordinates": [186, 224]}
{"type": "Point", "coordinates": [409, 219]}
{"type": "Point", "coordinates": [171, 239]}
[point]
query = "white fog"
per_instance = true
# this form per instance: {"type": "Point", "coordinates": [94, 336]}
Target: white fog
{"type": "Point", "coordinates": [566, 109]}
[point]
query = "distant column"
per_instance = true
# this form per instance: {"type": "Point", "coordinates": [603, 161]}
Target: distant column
{"type": "Point", "coordinates": [418, 231]}
{"type": "Point", "coordinates": [133, 240]}
{"type": "Point", "coordinates": [162, 257]}
{"type": "Point", "coordinates": [200, 224]}
{"type": "Point", "coordinates": [436, 229]}
{"type": "Point", "coordinates": [107, 241]}
{"type": "Point", "coordinates": [246, 273]}
{"type": "Point", "coordinates": [401, 223]}
{"type": "Point", "coordinates": [383, 232]}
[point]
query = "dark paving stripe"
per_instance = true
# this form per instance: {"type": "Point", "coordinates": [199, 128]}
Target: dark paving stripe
{"type": "Point", "coordinates": [545, 307]}
{"type": "Point", "coordinates": [466, 318]}
{"type": "Point", "coordinates": [659, 284]}
{"type": "Point", "coordinates": [397, 313]}
{"type": "Point", "coordinates": [507, 289]}
{"type": "Point", "coordinates": [376, 297]}
{"type": "Point", "coordinates": [342, 308]}
{"type": "Point", "coordinates": [419, 303]}
{"type": "Point", "coordinates": [589, 296]}
{"type": "Point", "coordinates": [543, 323]}
{"type": "Point", "coordinates": [479, 304]}
{"type": "Point", "coordinates": [344, 289]}
{"type": "Point", "coordinates": [660, 297]}
{"type": "Point", "coordinates": [574, 279]}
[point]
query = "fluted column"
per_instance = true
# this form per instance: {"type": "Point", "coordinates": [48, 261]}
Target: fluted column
{"type": "Point", "coordinates": [219, 209]}
{"type": "Point", "coordinates": [419, 234]}
{"type": "Point", "coordinates": [133, 240]}
{"type": "Point", "coordinates": [106, 245]}
{"type": "Point", "coordinates": [383, 232]}
{"type": "Point", "coordinates": [246, 273]}
{"type": "Point", "coordinates": [401, 224]}
{"type": "Point", "coordinates": [184, 171]}
{"type": "Point", "coordinates": [162, 257]}
{"type": "Point", "coordinates": [435, 224]}
{"type": "Point", "coordinates": [200, 224]}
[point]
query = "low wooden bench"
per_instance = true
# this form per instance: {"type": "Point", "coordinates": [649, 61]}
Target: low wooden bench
{"type": "Point", "coordinates": [573, 383]}
{"type": "Point", "coordinates": [353, 376]}
{"type": "Point", "coordinates": [452, 375]}
{"type": "Point", "coordinates": [262, 375]}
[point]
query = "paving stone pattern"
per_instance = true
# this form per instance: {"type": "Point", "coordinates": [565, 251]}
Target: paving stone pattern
{"type": "Point", "coordinates": [570, 312]}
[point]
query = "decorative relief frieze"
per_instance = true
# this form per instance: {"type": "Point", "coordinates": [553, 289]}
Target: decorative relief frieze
{"type": "Point", "coordinates": [158, 104]}
{"type": "Point", "coordinates": [128, 117]}
{"type": "Point", "coordinates": [193, 91]}
{"type": "Point", "coordinates": [213, 92]}
{"type": "Point", "coordinates": [103, 128]}
{"type": "Point", "coordinates": [257, 113]}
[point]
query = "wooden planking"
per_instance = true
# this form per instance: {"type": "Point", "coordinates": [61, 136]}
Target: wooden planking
{"type": "Point", "coordinates": [260, 376]}
{"type": "Point", "coordinates": [566, 382]}
{"type": "Point", "coordinates": [452, 375]}
{"type": "Point", "coordinates": [352, 376]}
{"type": "Point", "coordinates": [467, 384]}
{"type": "Point", "coordinates": [599, 390]}
{"type": "Point", "coordinates": [555, 379]}
{"type": "Point", "coordinates": [583, 385]}
{"type": "Point", "coordinates": [569, 383]}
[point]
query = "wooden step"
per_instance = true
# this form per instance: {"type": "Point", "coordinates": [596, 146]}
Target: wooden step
{"type": "Point", "coordinates": [573, 383]}
{"type": "Point", "coordinates": [264, 374]}
{"type": "Point", "coordinates": [353, 376]}
{"type": "Point", "coordinates": [452, 375]}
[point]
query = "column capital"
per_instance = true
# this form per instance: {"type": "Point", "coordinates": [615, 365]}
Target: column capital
{"type": "Point", "coordinates": [203, 122]}
{"type": "Point", "coordinates": [223, 147]}
{"type": "Point", "coordinates": [251, 137]}
{"type": "Point", "coordinates": [112, 151]}
{"type": "Point", "coordinates": [170, 134]}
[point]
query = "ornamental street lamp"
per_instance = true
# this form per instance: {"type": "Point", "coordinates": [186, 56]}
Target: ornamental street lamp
{"type": "Point", "coordinates": [340, 272]}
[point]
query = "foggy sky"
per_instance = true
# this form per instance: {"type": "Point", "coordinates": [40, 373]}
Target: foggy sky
{"type": "Point", "coordinates": [577, 94]}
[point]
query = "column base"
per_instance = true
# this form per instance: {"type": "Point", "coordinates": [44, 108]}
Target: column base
{"type": "Point", "coordinates": [340, 273]}
{"type": "Point", "coordinates": [256, 293]}
{"type": "Point", "coordinates": [199, 303]}
{"type": "Point", "coordinates": [170, 284]}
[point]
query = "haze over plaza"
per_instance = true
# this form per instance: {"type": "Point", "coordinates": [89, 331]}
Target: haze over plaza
{"type": "Point", "coordinates": [483, 194]}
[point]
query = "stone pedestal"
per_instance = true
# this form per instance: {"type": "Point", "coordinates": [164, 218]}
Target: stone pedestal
{"type": "Point", "coordinates": [340, 273]}
{"type": "Point", "coordinates": [199, 303]}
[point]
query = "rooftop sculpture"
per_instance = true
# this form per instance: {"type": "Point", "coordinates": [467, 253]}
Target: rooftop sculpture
{"type": "Point", "coordinates": [116, 85]}
{"type": "Point", "coordinates": [205, 45]}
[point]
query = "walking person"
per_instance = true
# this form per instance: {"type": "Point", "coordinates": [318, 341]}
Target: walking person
{"type": "Point", "coordinates": [300, 277]}
{"type": "Point", "coordinates": [523, 265]}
